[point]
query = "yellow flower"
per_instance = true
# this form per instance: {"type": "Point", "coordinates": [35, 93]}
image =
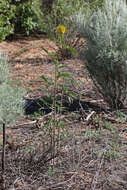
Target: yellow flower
{"type": "Point", "coordinates": [61, 29]}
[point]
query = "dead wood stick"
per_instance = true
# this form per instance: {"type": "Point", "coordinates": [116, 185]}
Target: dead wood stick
{"type": "Point", "coordinates": [90, 115]}
{"type": "Point", "coordinates": [44, 118]}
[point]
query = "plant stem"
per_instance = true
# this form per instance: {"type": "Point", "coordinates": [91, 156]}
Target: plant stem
{"type": "Point", "coordinates": [3, 155]}
{"type": "Point", "coordinates": [54, 109]}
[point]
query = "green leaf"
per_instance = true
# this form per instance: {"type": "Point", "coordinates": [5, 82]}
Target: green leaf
{"type": "Point", "coordinates": [45, 50]}
{"type": "Point", "coordinates": [63, 75]}
{"type": "Point", "coordinates": [71, 93]}
{"type": "Point", "coordinates": [46, 80]}
{"type": "Point", "coordinates": [62, 66]}
{"type": "Point", "coordinates": [54, 56]}
{"type": "Point", "coordinates": [46, 103]}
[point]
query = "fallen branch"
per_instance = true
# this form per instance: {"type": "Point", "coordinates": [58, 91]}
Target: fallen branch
{"type": "Point", "coordinates": [38, 121]}
{"type": "Point", "coordinates": [90, 115]}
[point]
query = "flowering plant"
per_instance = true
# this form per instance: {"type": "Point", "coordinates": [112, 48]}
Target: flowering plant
{"type": "Point", "coordinates": [61, 29]}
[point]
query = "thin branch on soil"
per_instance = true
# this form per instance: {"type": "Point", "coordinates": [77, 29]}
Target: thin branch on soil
{"type": "Point", "coordinates": [90, 115]}
{"type": "Point", "coordinates": [38, 121]}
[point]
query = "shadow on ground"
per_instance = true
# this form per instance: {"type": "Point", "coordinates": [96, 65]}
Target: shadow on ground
{"type": "Point", "coordinates": [43, 105]}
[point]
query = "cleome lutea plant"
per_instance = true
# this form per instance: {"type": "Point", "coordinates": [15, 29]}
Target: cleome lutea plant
{"type": "Point", "coordinates": [105, 32]}
{"type": "Point", "coordinates": [58, 84]}
{"type": "Point", "coordinates": [11, 106]}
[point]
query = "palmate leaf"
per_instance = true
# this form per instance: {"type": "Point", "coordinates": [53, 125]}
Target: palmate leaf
{"type": "Point", "coordinates": [45, 50]}
{"type": "Point", "coordinates": [70, 48]}
{"type": "Point", "coordinates": [48, 82]}
{"type": "Point", "coordinates": [52, 55]}
{"type": "Point", "coordinates": [46, 102]}
{"type": "Point", "coordinates": [60, 66]}
{"type": "Point", "coordinates": [63, 75]}
{"type": "Point", "coordinates": [71, 93]}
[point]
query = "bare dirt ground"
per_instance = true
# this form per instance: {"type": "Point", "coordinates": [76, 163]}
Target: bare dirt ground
{"type": "Point", "coordinates": [93, 146]}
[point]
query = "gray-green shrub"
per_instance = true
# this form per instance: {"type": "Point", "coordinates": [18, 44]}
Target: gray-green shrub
{"type": "Point", "coordinates": [4, 72]}
{"type": "Point", "coordinates": [11, 99]}
{"type": "Point", "coordinates": [105, 31]}
{"type": "Point", "coordinates": [11, 106]}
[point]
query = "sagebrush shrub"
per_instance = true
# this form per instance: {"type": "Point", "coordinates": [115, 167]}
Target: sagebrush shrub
{"type": "Point", "coordinates": [4, 72]}
{"type": "Point", "coordinates": [105, 31]}
{"type": "Point", "coordinates": [11, 106]}
{"type": "Point", "coordinates": [11, 99]}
